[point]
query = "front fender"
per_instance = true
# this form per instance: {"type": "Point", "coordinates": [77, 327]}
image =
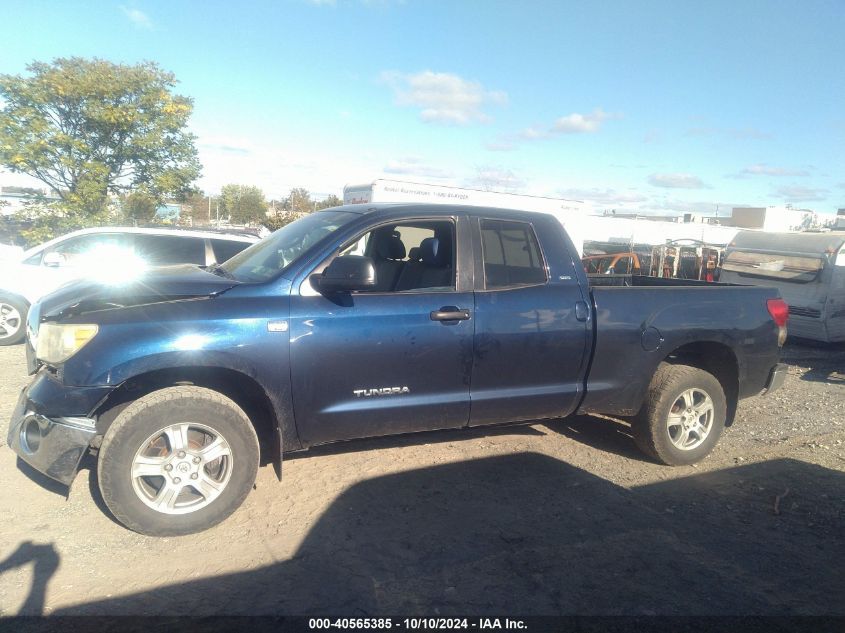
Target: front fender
{"type": "Point", "coordinates": [211, 335]}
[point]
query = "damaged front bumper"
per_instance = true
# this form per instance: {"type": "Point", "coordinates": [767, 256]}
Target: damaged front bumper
{"type": "Point", "coordinates": [46, 440]}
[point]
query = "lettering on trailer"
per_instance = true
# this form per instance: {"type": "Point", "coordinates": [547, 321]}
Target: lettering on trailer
{"type": "Point", "coordinates": [423, 192]}
{"type": "Point", "coordinates": [382, 391]}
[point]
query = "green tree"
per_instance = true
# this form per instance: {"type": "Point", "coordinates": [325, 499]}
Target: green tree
{"type": "Point", "coordinates": [196, 210]}
{"type": "Point", "coordinates": [43, 220]}
{"type": "Point", "coordinates": [278, 220]}
{"type": "Point", "coordinates": [299, 201]}
{"type": "Point", "coordinates": [139, 207]}
{"type": "Point", "coordinates": [331, 201]}
{"type": "Point", "coordinates": [88, 128]}
{"type": "Point", "coordinates": [243, 204]}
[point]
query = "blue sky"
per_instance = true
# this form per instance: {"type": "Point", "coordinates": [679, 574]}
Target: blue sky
{"type": "Point", "coordinates": [649, 106]}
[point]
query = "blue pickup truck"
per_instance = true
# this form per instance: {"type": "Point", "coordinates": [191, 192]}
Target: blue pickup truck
{"type": "Point", "coordinates": [364, 321]}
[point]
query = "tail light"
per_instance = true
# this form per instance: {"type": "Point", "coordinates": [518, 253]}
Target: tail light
{"type": "Point", "coordinates": [779, 310]}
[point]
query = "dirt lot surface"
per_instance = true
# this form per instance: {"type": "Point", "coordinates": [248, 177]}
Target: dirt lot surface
{"type": "Point", "coordinates": [561, 517]}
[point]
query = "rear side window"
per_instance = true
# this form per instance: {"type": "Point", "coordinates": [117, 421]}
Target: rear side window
{"type": "Point", "coordinates": [772, 266]}
{"type": "Point", "coordinates": [162, 250]}
{"type": "Point", "coordinates": [224, 249]}
{"type": "Point", "coordinates": [511, 254]}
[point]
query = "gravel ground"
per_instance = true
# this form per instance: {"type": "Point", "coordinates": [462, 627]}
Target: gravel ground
{"type": "Point", "coordinates": [559, 517]}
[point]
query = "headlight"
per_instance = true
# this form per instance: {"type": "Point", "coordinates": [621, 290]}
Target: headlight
{"type": "Point", "coordinates": [56, 343]}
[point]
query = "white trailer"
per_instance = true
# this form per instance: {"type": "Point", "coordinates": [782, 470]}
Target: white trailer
{"type": "Point", "coordinates": [570, 213]}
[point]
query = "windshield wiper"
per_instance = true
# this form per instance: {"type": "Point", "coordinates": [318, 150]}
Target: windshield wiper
{"type": "Point", "coordinates": [218, 270]}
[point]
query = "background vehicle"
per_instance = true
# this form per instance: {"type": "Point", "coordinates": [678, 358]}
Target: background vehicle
{"type": "Point", "coordinates": [613, 264]}
{"type": "Point", "coordinates": [367, 321]}
{"type": "Point", "coordinates": [111, 254]}
{"type": "Point", "coordinates": [808, 269]}
{"type": "Point", "coordinates": [686, 259]}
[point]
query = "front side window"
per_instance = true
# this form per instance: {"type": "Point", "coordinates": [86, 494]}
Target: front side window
{"type": "Point", "coordinates": [411, 256]}
{"type": "Point", "coordinates": [93, 249]}
{"type": "Point", "coordinates": [511, 254]}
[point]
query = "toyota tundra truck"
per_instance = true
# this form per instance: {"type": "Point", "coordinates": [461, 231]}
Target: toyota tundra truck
{"type": "Point", "coordinates": [372, 320]}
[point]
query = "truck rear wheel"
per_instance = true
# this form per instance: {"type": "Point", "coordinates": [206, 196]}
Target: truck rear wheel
{"type": "Point", "coordinates": [177, 461]}
{"type": "Point", "coordinates": [683, 415]}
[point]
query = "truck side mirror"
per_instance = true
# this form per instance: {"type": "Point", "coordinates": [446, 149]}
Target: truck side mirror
{"type": "Point", "coordinates": [345, 274]}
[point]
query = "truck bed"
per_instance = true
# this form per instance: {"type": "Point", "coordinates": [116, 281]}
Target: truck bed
{"type": "Point", "coordinates": [639, 320]}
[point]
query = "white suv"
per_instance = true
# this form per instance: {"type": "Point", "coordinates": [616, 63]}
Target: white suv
{"type": "Point", "coordinates": [109, 253]}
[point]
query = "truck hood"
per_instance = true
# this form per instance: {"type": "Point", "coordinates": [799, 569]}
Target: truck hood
{"type": "Point", "coordinates": [169, 283]}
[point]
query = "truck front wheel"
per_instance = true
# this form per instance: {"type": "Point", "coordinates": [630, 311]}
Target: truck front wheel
{"type": "Point", "coordinates": [683, 415]}
{"type": "Point", "coordinates": [177, 461]}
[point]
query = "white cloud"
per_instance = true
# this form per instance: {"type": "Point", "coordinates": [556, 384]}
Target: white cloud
{"type": "Point", "coordinates": [580, 123]}
{"type": "Point", "coordinates": [768, 170]}
{"type": "Point", "coordinates": [663, 205]}
{"type": "Point", "coordinates": [532, 133]}
{"type": "Point", "coordinates": [604, 197]}
{"type": "Point", "coordinates": [275, 167]}
{"type": "Point", "coordinates": [323, 3]}
{"type": "Point", "coordinates": [413, 166]}
{"type": "Point", "coordinates": [443, 97]}
{"type": "Point", "coordinates": [574, 123]}
{"type": "Point", "coordinates": [796, 193]}
{"type": "Point", "coordinates": [676, 181]}
{"type": "Point", "coordinates": [492, 178]}
{"type": "Point", "coordinates": [138, 17]}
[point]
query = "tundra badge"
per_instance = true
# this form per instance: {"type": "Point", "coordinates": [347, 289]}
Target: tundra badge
{"type": "Point", "coordinates": [384, 391]}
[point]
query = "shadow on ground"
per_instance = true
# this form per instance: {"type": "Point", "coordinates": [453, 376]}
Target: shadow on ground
{"type": "Point", "coordinates": [604, 434]}
{"type": "Point", "coordinates": [823, 362]}
{"type": "Point", "coordinates": [529, 534]}
{"type": "Point", "coordinates": [45, 562]}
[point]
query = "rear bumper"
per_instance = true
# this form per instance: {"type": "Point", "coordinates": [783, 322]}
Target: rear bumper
{"type": "Point", "coordinates": [776, 377]}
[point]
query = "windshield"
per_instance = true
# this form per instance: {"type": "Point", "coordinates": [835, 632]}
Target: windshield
{"type": "Point", "coordinates": [273, 254]}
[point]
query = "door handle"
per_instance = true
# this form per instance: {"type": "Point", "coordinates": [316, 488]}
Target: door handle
{"type": "Point", "coordinates": [582, 311]}
{"type": "Point", "coordinates": [449, 313]}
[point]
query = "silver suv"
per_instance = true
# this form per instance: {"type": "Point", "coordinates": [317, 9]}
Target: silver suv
{"type": "Point", "coordinates": [92, 253]}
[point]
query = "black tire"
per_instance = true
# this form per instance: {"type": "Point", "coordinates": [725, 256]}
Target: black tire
{"type": "Point", "coordinates": [651, 425]}
{"type": "Point", "coordinates": [7, 335]}
{"type": "Point", "coordinates": [140, 421]}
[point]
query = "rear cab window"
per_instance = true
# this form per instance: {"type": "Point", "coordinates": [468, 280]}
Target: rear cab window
{"type": "Point", "coordinates": [511, 255]}
{"type": "Point", "coordinates": [164, 250]}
